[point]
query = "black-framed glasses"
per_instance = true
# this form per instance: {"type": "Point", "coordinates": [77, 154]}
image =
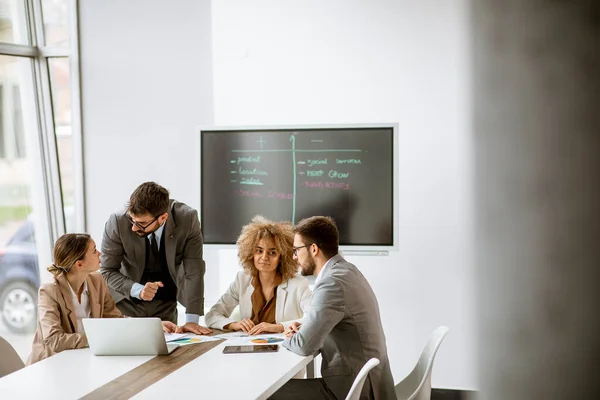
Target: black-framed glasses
{"type": "Point", "coordinates": [300, 247]}
{"type": "Point", "coordinates": [140, 226]}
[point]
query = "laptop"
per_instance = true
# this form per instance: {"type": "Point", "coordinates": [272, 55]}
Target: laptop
{"type": "Point", "coordinates": [126, 337]}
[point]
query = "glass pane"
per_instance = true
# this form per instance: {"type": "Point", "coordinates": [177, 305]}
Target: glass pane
{"type": "Point", "coordinates": [56, 27]}
{"type": "Point", "coordinates": [60, 86]}
{"type": "Point", "coordinates": [21, 194]}
{"type": "Point", "coordinates": [13, 22]}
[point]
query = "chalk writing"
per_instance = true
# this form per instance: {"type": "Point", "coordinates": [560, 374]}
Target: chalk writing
{"type": "Point", "coordinates": [248, 159]}
{"type": "Point", "coordinates": [321, 161]}
{"type": "Point", "coordinates": [339, 175]}
{"type": "Point", "coordinates": [348, 161]}
{"type": "Point", "coordinates": [252, 171]}
{"type": "Point", "coordinates": [326, 185]}
{"type": "Point", "coordinates": [250, 181]}
{"type": "Point", "coordinates": [247, 193]}
{"type": "Point", "coordinates": [279, 195]}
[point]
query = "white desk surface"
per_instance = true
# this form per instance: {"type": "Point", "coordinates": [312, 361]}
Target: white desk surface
{"type": "Point", "coordinates": [72, 374]}
{"type": "Point", "coordinates": [215, 375]}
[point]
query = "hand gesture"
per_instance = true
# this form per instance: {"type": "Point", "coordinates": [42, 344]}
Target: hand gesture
{"type": "Point", "coordinates": [149, 290]}
{"type": "Point", "coordinates": [244, 325]}
{"type": "Point", "coordinates": [169, 327]}
{"type": "Point", "coordinates": [265, 327]}
{"type": "Point", "coordinates": [292, 329]}
{"type": "Point", "coordinates": [194, 328]}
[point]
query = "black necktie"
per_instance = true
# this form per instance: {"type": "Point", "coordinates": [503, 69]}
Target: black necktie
{"type": "Point", "coordinates": [153, 244]}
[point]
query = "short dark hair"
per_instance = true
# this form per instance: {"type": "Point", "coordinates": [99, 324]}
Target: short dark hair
{"type": "Point", "coordinates": [321, 231]}
{"type": "Point", "coordinates": [149, 198]}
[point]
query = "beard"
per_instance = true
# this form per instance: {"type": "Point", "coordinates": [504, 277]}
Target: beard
{"type": "Point", "coordinates": [308, 268]}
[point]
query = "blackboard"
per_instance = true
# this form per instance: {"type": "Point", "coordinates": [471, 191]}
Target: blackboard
{"type": "Point", "coordinates": [289, 174]}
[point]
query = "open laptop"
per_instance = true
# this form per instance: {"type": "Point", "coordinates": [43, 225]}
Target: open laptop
{"type": "Point", "coordinates": [126, 337]}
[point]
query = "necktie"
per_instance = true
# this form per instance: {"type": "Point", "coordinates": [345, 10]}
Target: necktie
{"type": "Point", "coordinates": [153, 244]}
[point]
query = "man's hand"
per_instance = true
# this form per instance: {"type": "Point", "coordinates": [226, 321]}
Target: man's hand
{"type": "Point", "coordinates": [244, 325]}
{"type": "Point", "coordinates": [149, 290]}
{"type": "Point", "coordinates": [194, 328]}
{"type": "Point", "coordinates": [169, 327]}
{"type": "Point", "coordinates": [265, 327]}
{"type": "Point", "coordinates": [292, 329]}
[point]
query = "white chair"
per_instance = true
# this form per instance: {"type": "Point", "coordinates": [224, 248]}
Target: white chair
{"type": "Point", "coordinates": [359, 381]}
{"type": "Point", "coordinates": [10, 360]}
{"type": "Point", "coordinates": [417, 385]}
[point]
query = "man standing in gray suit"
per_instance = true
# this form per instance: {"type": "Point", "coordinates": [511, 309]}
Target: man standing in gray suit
{"type": "Point", "coordinates": [152, 257]}
{"type": "Point", "coordinates": [343, 322]}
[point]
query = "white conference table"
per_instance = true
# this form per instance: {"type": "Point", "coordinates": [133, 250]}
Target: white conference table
{"type": "Point", "coordinates": [73, 374]}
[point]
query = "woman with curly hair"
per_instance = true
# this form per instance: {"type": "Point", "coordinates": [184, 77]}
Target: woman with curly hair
{"type": "Point", "coordinates": [269, 291]}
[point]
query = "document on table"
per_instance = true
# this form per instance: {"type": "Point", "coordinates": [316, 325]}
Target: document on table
{"type": "Point", "coordinates": [188, 338]}
{"type": "Point", "coordinates": [240, 338]}
{"type": "Point", "coordinates": [169, 337]}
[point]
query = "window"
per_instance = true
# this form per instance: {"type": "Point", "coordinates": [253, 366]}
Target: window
{"type": "Point", "coordinates": [38, 158]}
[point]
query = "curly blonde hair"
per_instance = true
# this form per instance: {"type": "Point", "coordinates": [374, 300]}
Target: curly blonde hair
{"type": "Point", "coordinates": [280, 232]}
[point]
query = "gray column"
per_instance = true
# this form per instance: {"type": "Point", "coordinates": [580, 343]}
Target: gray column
{"type": "Point", "coordinates": [536, 146]}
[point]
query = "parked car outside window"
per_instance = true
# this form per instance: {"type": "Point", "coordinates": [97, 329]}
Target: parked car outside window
{"type": "Point", "coordinates": [19, 280]}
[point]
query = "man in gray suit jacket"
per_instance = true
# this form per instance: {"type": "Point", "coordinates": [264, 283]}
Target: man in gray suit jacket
{"type": "Point", "coordinates": [343, 322]}
{"type": "Point", "coordinates": [152, 257]}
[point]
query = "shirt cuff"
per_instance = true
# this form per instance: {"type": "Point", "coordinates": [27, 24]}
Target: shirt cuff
{"type": "Point", "coordinates": [195, 318]}
{"type": "Point", "coordinates": [136, 289]}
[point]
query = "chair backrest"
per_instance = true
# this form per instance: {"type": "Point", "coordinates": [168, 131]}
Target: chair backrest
{"type": "Point", "coordinates": [417, 385]}
{"type": "Point", "coordinates": [359, 381]}
{"type": "Point", "coordinates": [10, 360]}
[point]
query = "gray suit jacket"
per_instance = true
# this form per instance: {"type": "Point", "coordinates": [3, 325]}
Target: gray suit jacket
{"type": "Point", "coordinates": [343, 323]}
{"type": "Point", "coordinates": [124, 256]}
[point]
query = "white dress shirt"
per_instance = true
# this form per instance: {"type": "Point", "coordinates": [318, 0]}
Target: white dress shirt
{"type": "Point", "coordinates": [83, 309]}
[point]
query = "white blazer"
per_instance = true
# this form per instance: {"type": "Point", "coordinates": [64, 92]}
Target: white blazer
{"type": "Point", "coordinates": [293, 300]}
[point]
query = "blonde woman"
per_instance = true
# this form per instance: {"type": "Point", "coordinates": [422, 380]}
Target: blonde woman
{"type": "Point", "coordinates": [269, 291]}
{"type": "Point", "coordinates": [77, 292]}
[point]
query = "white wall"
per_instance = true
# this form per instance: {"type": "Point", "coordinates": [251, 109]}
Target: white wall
{"type": "Point", "coordinates": [146, 73]}
{"type": "Point", "coordinates": [283, 62]}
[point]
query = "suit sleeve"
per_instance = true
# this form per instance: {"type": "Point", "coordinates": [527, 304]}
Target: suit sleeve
{"type": "Point", "coordinates": [54, 337]}
{"type": "Point", "coordinates": [219, 314]}
{"type": "Point", "coordinates": [112, 256]}
{"type": "Point", "coordinates": [326, 311]}
{"type": "Point", "coordinates": [303, 298]}
{"type": "Point", "coordinates": [193, 267]}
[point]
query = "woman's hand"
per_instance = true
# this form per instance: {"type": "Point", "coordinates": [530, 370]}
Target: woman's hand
{"type": "Point", "coordinates": [244, 325]}
{"type": "Point", "coordinates": [169, 327]}
{"type": "Point", "coordinates": [264, 327]}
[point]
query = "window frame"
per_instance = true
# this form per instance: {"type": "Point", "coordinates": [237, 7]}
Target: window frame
{"type": "Point", "coordinates": [39, 54]}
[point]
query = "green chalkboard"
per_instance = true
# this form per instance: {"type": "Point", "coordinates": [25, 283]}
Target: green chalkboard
{"type": "Point", "coordinates": [288, 174]}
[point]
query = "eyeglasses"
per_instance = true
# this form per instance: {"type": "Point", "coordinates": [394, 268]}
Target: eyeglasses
{"type": "Point", "coordinates": [140, 226]}
{"type": "Point", "coordinates": [300, 247]}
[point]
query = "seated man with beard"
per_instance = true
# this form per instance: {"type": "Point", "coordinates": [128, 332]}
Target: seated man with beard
{"type": "Point", "coordinates": [343, 322]}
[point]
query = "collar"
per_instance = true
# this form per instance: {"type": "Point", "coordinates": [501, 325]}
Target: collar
{"type": "Point", "coordinates": [329, 262]}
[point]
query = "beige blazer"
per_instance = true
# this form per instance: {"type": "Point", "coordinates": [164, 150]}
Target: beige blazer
{"type": "Point", "coordinates": [293, 300]}
{"type": "Point", "coordinates": [57, 322]}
